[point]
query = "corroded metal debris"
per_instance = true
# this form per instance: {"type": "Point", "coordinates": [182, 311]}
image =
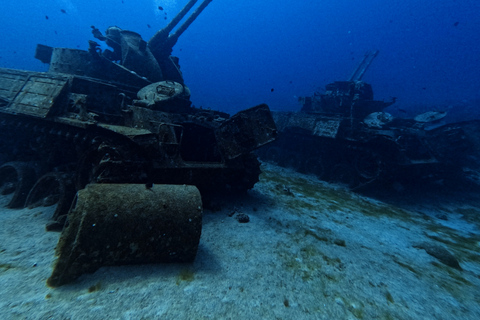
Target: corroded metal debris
{"type": "Point", "coordinates": [343, 135]}
{"type": "Point", "coordinates": [120, 121]}
{"type": "Point", "coordinates": [113, 224]}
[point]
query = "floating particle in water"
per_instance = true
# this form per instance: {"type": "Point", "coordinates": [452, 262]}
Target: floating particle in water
{"type": "Point", "coordinates": [148, 25]}
{"type": "Point", "coordinates": [46, 17]}
{"type": "Point", "coordinates": [160, 8]}
{"type": "Point", "coordinates": [456, 24]}
{"type": "Point", "coordinates": [271, 90]}
{"type": "Point", "coordinates": [63, 11]}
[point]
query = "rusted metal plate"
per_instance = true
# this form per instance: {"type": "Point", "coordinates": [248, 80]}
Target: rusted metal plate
{"type": "Point", "coordinates": [246, 131]}
{"type": "Point", "coordinates": [430, 116]}
{"type": "Point", "coordinates": [327, 128]}
{"type": "Point", "coordinates": [37, 95]}
{"type": "Point", "coordinates": [140, 136]}
{"type": "Point", "coordinates": [126, 131]}
{"type": "Point", "coordinates": [378, 119]}
{"type": "Point", "coordinates": [11, 81]}
{"type": "Point", "coordinates": [304, 121]}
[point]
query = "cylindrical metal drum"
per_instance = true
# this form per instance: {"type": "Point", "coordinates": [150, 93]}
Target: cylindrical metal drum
{"type": "Point", "coordinates": [114, 224]}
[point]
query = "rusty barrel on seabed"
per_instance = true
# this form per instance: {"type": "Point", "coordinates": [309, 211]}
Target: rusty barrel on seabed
{"type": "Point", "coordinates": [115, 224]}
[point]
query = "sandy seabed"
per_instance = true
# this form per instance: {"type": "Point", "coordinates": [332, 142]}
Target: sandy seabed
{"type": "Point", "coordinates": [310, 251]}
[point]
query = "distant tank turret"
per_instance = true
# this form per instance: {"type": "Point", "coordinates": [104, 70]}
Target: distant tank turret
{"type": "Point", "coordinates": [343, 135]}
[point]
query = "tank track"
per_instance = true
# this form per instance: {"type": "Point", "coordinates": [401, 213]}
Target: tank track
{"type": "Point", "coordinates": [93, 156]}
{"type": "Point", "coordinates": [350, 165]}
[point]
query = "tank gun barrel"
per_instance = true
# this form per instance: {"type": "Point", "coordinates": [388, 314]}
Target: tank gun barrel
{"type": "Point", "coordinates": [190, 19]}
{"type": "Point", "coordinates": [363, 66]}
{"type": "Point", "coordinates": [161, 44]}
{"type": "Point", "coordinates": [160, 36]}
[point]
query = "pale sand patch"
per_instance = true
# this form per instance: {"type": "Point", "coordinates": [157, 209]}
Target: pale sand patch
{"type": "Point", "coordinates": [310, 251]}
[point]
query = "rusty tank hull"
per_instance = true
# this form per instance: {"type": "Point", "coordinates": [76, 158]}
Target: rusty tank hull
{"type": "Point", "coordinates": [343, 135]}
{"type": "Point", "coordinates": [81, 125]}
{"type": "Point", "coordinates": [357, 156]}
{"type": "Point", "coordinates": [121, 120]}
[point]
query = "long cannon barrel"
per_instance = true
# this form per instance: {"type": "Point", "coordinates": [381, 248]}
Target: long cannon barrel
{"type": "Point", "coordinates": [363, 66]}
{"type": "Point", "coordinates": [159, 37]}
{"type": "Point", "coordinates": [161, 44]}
{"type": "Point", "coordinates": [189, 21]}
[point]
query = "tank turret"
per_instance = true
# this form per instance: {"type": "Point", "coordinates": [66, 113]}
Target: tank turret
{"type": "Point", "coordinates": [110, 140]}
{"type": "Point", "coordinates": [351, 98]}
{"type": "Point", "coordinates": [130, 59]}
{"type": "Point", "coordinates": [343, 135]}
{"type": "Point", "coordinates": [163, 41]}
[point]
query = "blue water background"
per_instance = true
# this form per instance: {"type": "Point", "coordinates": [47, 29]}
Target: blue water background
{"type": "Point", "coordinates": [241, 53]}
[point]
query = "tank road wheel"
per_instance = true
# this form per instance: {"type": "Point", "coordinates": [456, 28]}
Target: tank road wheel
{"type": "Point", "coordinates": [369, 165]}
{"type": "Point", "coordinates": [344, 173]}
{"type": "Point", "coordinates": [16, 179]}
{"type": "Point", "coordinates": [56, 190]}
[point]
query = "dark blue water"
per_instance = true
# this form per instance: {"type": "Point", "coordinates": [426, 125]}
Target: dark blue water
{"type": "Point", "coordinates": [242, 53]}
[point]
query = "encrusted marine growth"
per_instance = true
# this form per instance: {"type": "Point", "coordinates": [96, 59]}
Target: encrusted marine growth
{"type": "Point", "coordinates": [116, 128]}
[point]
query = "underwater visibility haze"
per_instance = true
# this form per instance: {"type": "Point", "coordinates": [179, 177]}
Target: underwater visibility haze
{"type": "Point", "coordinates": [164, 208]}
{"type": "Point", "coordinates": [241, 53]}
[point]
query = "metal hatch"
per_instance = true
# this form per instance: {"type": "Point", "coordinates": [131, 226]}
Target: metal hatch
{"type": "Point", "coordinates": [37, 95]}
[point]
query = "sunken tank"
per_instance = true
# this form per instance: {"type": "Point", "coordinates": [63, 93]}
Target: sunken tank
{"type": "Point", "coordinates": [343, 135]}
{"type": "Point", "coordinates": [114, 131]}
